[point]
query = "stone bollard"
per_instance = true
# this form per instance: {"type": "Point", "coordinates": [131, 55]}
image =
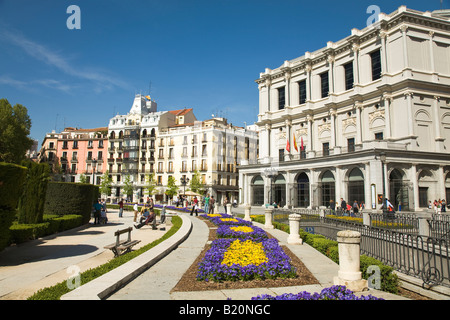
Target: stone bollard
{"type": "Point", "coordinates": [247, 211]}
{"type": "Point", "coordinates": [268, 215]}
{"type": "Point", "coordinates": [349, 274]}
{"type": "Point", "coordinates": [294, 228]}
{"type": "Point", "coordinates": [366, 219]}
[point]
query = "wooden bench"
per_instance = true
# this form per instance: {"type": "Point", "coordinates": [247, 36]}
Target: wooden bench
{"type": "Point", "coordinates": [122, 246]}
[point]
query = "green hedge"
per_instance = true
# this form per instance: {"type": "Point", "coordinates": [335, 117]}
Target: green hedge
{"type": "Point", "coordinates": [64, 198]}
{"type": "Point", "coordinates": [31, 203]}
{"type": "Point", "coordinates": [12, 178]}
{"type": "Point", "coordinates": [330, 248]}
{"type": "Point", "coordinates": [24, 232]}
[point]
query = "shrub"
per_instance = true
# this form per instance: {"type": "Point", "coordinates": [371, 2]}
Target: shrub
{"type": "Point", "coordinates": [31, 203]}
{"type": "Point", "coordinates": [24, 232]}
{"type": "Point", "coordinates": [70, 198]}
{"type": "Point", "coordinates": [12, 178]}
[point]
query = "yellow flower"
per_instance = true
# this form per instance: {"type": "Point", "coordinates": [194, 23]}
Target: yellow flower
{"type": "Point", "coordinates": [242, 229]}
{"type": "Point", "coordinates": [244, 253]}
{"type": "Point", "coordinates": [214, 215]}
{"type": "Point", "coordinates": [229, 220]}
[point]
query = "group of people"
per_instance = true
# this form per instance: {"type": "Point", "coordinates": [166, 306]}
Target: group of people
{"type": "Point", "coordinates": [99, 213]}
{"type": "Point", "coordinates": [208, 202]}
{"type": "Point", "coordinates": [438, 205]}
{"type": "Point", "coordinates": [346, 208]}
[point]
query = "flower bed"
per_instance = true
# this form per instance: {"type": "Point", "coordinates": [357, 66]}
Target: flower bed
{"type": "Point", "coordinates": [221, 218]}
{"type": "Point", "coordinates": [241, 232]}
{"type": "Point", "coordinates": [331, 293]}
{"type": "Point", "coordinates": [235, 259]}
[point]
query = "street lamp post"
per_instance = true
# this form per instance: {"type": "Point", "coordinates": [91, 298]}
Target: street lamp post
{"type": "Point", "coordinates": [383, 160]}
{"type": "Point", "coordinates": [94, 167]}
{"type": "Point", "coordinates": [184, 181]}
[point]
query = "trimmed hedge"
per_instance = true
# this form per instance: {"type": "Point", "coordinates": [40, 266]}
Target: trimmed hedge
{"type": "Point", "coordinates": [31, 203]}
{"type": "Point", "coordinates": [65, 198]}
{"type": "Point", "coordinates": [12, 178]}
{"type": "Point", "coordinates": [24, 232]}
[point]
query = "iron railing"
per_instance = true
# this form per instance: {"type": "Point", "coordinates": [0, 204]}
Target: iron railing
{"type": "Point", "coordinates": [394, 239]}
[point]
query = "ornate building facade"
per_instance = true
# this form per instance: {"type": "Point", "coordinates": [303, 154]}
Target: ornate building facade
{"type": "Point", "coordinates": [362, 117]}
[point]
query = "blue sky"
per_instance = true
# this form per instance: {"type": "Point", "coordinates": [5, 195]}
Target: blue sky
{"type": "Point", "coordinates": [197, 54]}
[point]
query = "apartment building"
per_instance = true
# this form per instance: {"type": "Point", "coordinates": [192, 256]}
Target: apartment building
{"type": "Point", "coordinates": [363, 117]}
{"type": "Point", "coordinates": [174, 144]}
{"type": "Point", "coordinates": [213, 149]}
{"type": "Point", "coordinates": [75, 152]}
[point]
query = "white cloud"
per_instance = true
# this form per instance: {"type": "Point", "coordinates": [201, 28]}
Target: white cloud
{"type": "Point", "coordinates": [42, 53]}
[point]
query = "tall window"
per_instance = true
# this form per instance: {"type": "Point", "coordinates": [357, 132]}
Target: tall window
{"type": "Point", "coordinates": [324, 85]}
{"type": "Point", "coordinates": [351, 144]}
{"type": "Point", "coordinates": [281, 98]}
{"type": "Point", "coordinates": [376, 65]}
{"type": "Point", "coordinates": [348, 75]}
{"type": "Point", "coordinates": [326, 148]}
{"type": "Point", "coordinates": [302, 91]}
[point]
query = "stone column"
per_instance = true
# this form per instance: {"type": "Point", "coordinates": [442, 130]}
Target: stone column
{"type": "Point", "coordinates": [247, 211]}
{"type": "Point", "coordinates": [349, 274]}
{"type": "Point", "coordinates": [294, 228]}
{"type": "Point", "coordinates": [387, 115]}
{"type": "Point", "coordinates": [268, 216]}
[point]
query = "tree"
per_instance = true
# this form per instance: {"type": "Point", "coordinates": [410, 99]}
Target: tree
{"type": "Point", "coordinates": [83, 178]}
{"type": "Point", "coordinates": [106, 182]}
{"type": "Point", "coordinates": [128, 187]}
{"type": "Point", "coordinates": [172, 188]}
{"type": "Point", "coordinates": [196, 184]}
{"type": "Point", "coordinates": [15, 125]}
{"type": "Point", "coordinates": [150, 184]}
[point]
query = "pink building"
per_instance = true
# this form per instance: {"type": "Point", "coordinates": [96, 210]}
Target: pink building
{"type": "Point", "coordinates": [76, 152]}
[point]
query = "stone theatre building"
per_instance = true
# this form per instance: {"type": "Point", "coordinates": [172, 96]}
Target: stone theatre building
{"type": "Point", "coordinates": [367, 115]}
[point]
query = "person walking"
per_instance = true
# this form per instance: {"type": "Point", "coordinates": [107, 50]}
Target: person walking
{"type": "Point", "coordinates": [97, 214]}
{"type": "Point", "coordinates": [120, 208]}
{"type": "Point", "coordinates": [207, 203]}
{"type": "Point", "coordinates": [212, 201]}
{"type": "Point", "coordinates": [225, 202]}
{"type": "Point", "coordinates": [195, 206]}
{"type": "Point", "coordinates": [136, 210]}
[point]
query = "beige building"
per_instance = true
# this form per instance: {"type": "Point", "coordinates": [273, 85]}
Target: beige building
{"type": "Point", "coordinates": [173, 143]}
{"type": "Point", "coordinates": [372, 112]}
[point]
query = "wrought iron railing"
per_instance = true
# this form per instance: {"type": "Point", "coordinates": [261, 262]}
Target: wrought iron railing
{"type": "Point", "coordinates": [394, 239]}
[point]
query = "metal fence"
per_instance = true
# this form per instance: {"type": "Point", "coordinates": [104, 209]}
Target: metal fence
{"type": "Point", "coordinates": [394, 239]}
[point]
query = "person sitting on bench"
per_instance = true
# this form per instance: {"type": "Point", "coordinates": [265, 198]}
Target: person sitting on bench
{"type": "Point", "coordinates": [148, 216]}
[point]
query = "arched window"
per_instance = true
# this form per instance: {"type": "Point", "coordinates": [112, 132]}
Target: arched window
{"type": "Point", "coordinates": [355, 186]}
{"type": "Point", "coordinates": [279, 190]}
{"type": "Point", "coordinates": [258, 191]}
{"type": "Point", "coordinates": [303, 190]}
{"type": "Point", "coordinates": [327, 189]}
{"type": "Point", "coordinates": [398, 190]}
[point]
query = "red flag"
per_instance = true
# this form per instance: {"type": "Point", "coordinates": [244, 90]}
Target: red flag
{"type": "Point", "coordinates": [288, 146]}
{"type": "Point", "coordinates": [302, 147]}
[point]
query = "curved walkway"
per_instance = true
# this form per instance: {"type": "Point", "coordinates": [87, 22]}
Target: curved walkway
{"type": "Point", "coordinates": [44, 262]}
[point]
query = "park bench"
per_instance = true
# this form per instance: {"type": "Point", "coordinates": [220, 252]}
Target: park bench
{"type": "Point", "coordinates": [122, 246]}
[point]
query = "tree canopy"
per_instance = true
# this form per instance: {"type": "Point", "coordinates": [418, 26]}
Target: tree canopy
{"type": "Point", "coordinates": [15, 125]}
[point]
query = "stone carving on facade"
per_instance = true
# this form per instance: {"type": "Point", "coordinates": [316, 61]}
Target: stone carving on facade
{"type": "Point", "coordinates": [348, 122]}
{"type": "Point", "coordinates": [378, 114]}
